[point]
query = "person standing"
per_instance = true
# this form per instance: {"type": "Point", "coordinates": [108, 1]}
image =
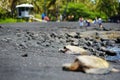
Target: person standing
{"type": "Point", "coordinates": [81, 22]}
{"type": "Point", "coordinates": [43, 16]}
{"type": "Point", "coordinates": [100, 23]}
{"type": "Point", "coordinates": [95, 22]}
{"type": "Point", "coordinates": [87, 22]}
{"type": "Point", "coordinates": [61, 17]}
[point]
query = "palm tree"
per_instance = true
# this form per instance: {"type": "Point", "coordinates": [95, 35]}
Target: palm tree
{"type": "Point", "coordinates": [109, 7]}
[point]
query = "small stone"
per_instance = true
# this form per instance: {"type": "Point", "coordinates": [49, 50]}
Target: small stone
{"type": "Point", "coordinates": [53, 35]}
{"type": "Point", "coordinates": [72, 34]}
{"type": "Point", "coordinates": [23, 45]}
{"type": "Point", "coordinates": [117, 40]}
{"type": "Point", "coordinates": [19, 34]}
{"type": "Point", "coordinates": [24, 55]}
{"type": "Point", "coordinates": [1, 27]}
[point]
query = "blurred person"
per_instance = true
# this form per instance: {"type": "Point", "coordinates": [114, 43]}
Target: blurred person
{"type": "Point", "coordinates": [95, 21]}
{"type": "Point", "coordinates": [46, 18]}
{"type": "Point", "coordinates": [61, 17]}
{"type": "Point", "coordinates": [100, 23]}
{"type": "Point", "coordinates": [81, 22]}
{"type": "Point", "coordinates": [43, 16]}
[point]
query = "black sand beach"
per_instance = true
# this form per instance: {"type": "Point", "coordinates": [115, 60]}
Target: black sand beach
{"type": "Point", "coordinates": [30, 51]}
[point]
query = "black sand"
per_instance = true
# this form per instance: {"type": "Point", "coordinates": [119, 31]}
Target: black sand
{"type": "Point", "coordinates": [41, 61]}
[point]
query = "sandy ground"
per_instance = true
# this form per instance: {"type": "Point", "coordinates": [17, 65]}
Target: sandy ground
{"type": "Point", "coordinates": [41, 62]}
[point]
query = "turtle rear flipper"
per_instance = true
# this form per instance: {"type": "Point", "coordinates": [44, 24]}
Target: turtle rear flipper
{"type": "Point", "coordinates": [115, 70]}
{"type": "Point", "coordinates": [97, 70]}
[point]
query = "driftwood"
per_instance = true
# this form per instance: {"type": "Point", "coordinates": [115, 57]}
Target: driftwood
{"type": "Point", "coordinates": [108, 52]}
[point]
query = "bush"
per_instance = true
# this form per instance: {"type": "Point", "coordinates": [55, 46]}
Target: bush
{"type": "Point", "coordinates": [80, 10]}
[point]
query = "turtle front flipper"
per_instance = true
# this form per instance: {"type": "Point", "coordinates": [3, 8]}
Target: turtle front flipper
{"type": "Point", "coordinates": [71, 66]}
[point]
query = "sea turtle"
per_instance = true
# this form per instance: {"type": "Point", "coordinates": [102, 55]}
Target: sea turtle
{"type": "Point", "coordinates": [89, 64]}
{"type": "Point", "coordinates": [69, 49]}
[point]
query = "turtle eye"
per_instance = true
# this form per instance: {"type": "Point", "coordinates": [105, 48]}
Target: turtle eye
{"type": "Point", "coordinates": [65, 47]}
{"type": "Point", "coordinates": [76, 60]}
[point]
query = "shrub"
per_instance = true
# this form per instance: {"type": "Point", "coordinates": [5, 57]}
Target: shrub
{"type": "Point", "coordinates": [80, 9]}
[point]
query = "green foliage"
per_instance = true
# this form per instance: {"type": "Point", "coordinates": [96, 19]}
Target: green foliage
{"type": "Point", "coordinates": [79, 10]}
{"type": "Point", "coordinates": [109, 7]}
{"type": "Point", "coordinates": [3, 13]}
{"type": "Point", "coordinates": [10, 20]}
{"type": "Point", "coordinates": [76, 8]}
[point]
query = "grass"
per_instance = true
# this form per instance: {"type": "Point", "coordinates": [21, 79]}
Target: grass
{"type": "Point", "coordinates": [11, 20]}
{"type": "Point", "coordinates": [15, 20]}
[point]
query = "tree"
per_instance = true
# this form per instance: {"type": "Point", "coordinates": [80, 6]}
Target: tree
{"type": "Point", "coordinates": [99, 7]}
{"type": "Point", "coordinates": [109, 7]}
{"type": "Point", "coordinates": [79, 9]}
{"type": "Point", "coordinates": [13, 4]}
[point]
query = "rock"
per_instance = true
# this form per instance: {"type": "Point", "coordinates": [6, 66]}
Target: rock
{"type": "Point", "coordinates": [86, 47]}
{"type": "Point", "coordinates": [1, 27]}
{"type": "Point", "coordinates": [75, 42]}
{"type": "Point", "coordinates": [46, 36]}
{"type": "Point", "coordinates": [107, 42]}
{"type": "Point", "coordinates": [82, 41]}
{"type": "Point", "coordinates": [7, 39]}
{"type": "Point", "coordinates": [23, 45]}
{"type": "Point", "coordinates": [103, 39]}
{"type": "Point", "coordinates": [46, 44]}
{"type": "Point", "coordinates": [110, 43]}
{"type": "Point", "coordinates": [89, 43]}
{"type": "Point", "coordinates": [70, 40]}
{"type": "Point", "coordinates": [39, 43]}
{"type": "Point", "coordinates": [97, 35]}
{"type": "Point", "coordinates": [24, 55]}
{"type": "Point", "coordinates": [106, 29]}
{"type": "Point", "coordinates": [104, 43]}
{"type": "Point", "coordinates": [18, 30]}
{"type": "Point", "coordinates": [35, 36]}
{"type": "Point", "coordinates": [98, 45]}
{"type": "Point", "coordinates": [91, 39]}
{"type": "Point", "coordinates": [108, 52]}
{"type": "Point", "coordinates": [118, 40]}
{"type": "Point", "coordinates": [73, 35]}
{"type": "Point", "coordinates": [102, 55]}
{"type": "Point", "coordinates": [95, 41]}
{"type": "Point", "coordinates": [91, 49]}
{"type": "Point", "coordinates": [29, 33]}
{"type": "Point", "coordinates": [32, 35]}
{"type": "Point", "coordinates": [18, 34]}
{"type": "Point", "coordinates": [53, 35]}
{"type": "Point", "coordinates": [87, 38]}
